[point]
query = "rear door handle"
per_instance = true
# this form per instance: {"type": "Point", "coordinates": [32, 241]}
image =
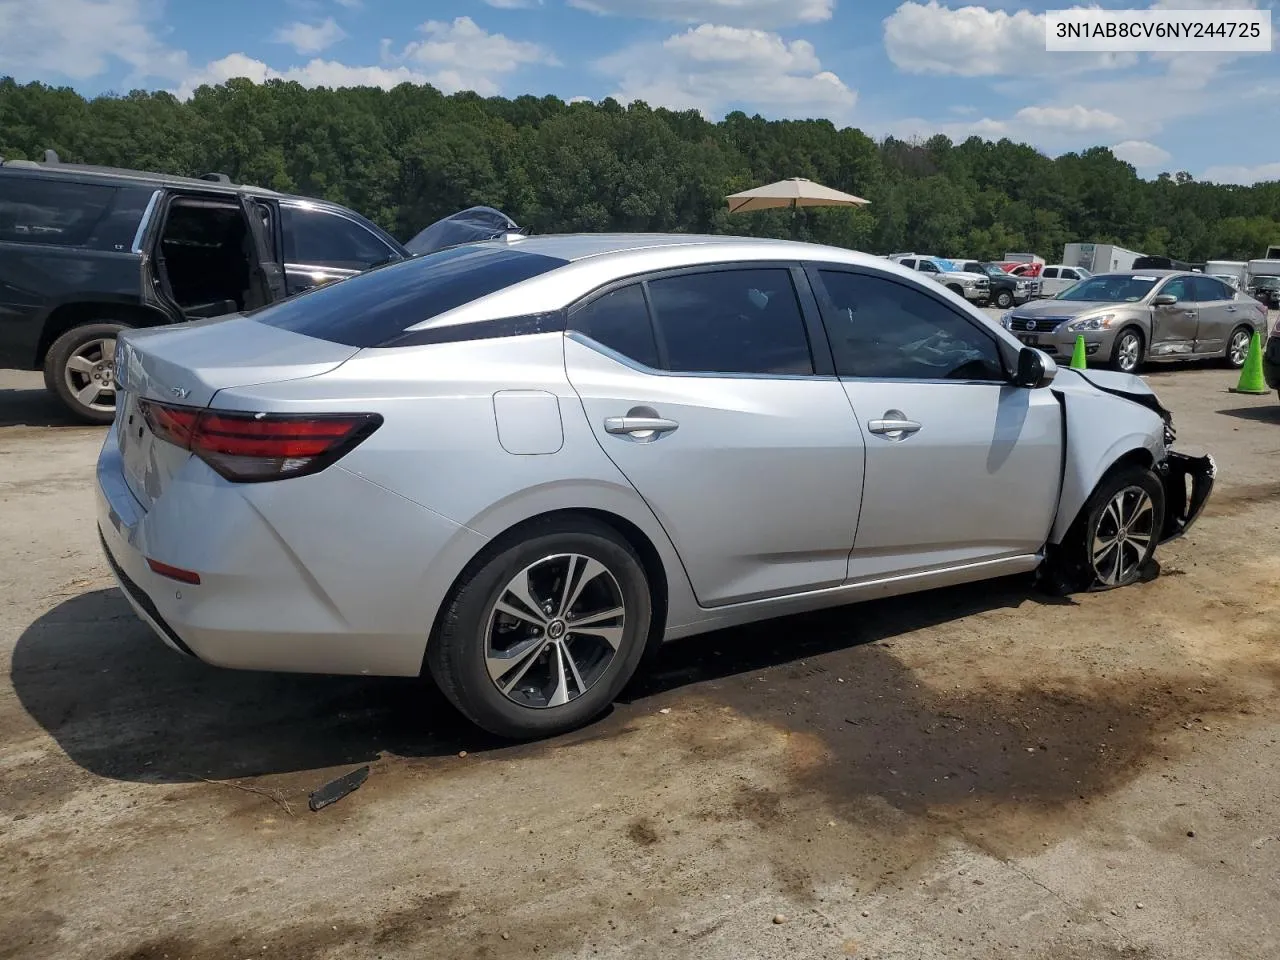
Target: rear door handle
{"type": "Point", "coordinates": [894, 426]}
{"type": "Point", "coordinates": [639, 428]}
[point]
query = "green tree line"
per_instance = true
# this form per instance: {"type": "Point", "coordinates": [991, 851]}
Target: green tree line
{"type": "Point", "coordinates": [407, 156]}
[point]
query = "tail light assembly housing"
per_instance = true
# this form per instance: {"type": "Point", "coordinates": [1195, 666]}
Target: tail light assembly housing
{"type": "Point", "coordinates": [257, 447]}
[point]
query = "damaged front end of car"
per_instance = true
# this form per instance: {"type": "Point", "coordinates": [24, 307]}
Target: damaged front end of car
{"type": "Point", "coordinates": [1187, 482]}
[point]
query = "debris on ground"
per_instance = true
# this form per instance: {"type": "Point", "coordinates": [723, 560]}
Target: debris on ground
{"type": "Point", "coordinates": [335, 790]}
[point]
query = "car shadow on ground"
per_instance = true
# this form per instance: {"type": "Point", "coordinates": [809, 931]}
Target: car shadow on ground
{"type": "Point", "coordinates": [124, 706]}
{"type": "Point", "coordinates": [1269, 414]}
{"type": "Point", "coordinates": [34, 408]}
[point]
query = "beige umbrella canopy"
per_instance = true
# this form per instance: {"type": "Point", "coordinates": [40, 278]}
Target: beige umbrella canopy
{"type": "Point", "coordinates": [794, 193]}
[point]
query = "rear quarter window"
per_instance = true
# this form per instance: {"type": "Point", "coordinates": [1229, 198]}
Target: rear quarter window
{"type": "Point", "coordinates": [373, 308]}
{"type": "Point", "coordinates": [56, 212]}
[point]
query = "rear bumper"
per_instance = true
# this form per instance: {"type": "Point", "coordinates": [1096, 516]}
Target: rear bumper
{"type": "Point", "coordinates": [288, 582]}
{"type": "Point", "coordinates": [1187, 481]}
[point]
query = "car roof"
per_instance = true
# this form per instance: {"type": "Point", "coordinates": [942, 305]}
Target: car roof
{"type": "Point", "coordinates": [117, 175]}
{"type": "Point", "coordinates": [592, 261]}
{"type": "Point", "coordinates": [574, 247]}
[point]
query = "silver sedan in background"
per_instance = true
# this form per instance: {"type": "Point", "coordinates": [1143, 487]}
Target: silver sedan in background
{"type": "Point", "coordinates": [1146, 315]}
{"type": "Point", "coordinates": [519, 465]}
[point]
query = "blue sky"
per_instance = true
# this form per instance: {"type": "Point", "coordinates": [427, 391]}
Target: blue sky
{"type": "Point", "coordinates": [911, 68]}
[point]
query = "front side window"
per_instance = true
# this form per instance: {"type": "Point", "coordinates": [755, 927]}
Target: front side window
{"type": "Point", "coordinates": [1179, 287]}
{"type": "Point", "coordinates": [320, 238]}
{"type": "Point", "coordinates": [60, 212]}
{"type": "Point", "coordinates": [885, 330]}
{"type": "Point", "coordinates": [619, 320]}
{"type": "Point", "coordinates": [731, 321]}
{"type": "Point", "coordinates": [1070, 275]}
{"type": "Point", "coordinates": [928, 266]}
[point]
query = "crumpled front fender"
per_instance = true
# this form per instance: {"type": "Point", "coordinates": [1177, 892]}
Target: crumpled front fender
{"type": "Point", "coordinates": [1187, 481]}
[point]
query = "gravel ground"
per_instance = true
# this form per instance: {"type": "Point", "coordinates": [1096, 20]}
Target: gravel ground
{"type": "Point", "coordinates": [977, 772]}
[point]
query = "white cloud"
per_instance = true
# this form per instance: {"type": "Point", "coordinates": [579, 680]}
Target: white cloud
{"type": "Point", "coordinates": [978, 42]}
{"type": "Point", "coordinates": [452, 56]}
{"type": "Point", "coordinates": [714, 68]}
{"type": "Point", "coordinates": [513, 4]}
{"type": "Point", "coordinates": [1076, 118]}
{"type": "Point", "coordinates": [350, 4]}
{"type": "Point", "coordinates": [315, 73]}
{"type": "Point", "coordinates": [737, 13]}
{"type": "Point", "coordinates": [310, 37]}
{"type": "Point", "coordinates": [1141, 153]}
{"type": "Point", "coordinates": [462, 56]}
{"type": "Point", "coordinates": [79, 39]}
{"type": "Point", "coordinates": [1243, 175]}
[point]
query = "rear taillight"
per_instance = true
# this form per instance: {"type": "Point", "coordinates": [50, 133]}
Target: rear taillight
{"type": "Point", "coordinates": [252, 447]}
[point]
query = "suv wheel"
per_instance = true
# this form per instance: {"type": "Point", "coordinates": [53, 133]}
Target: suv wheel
{"type": "Point", "coordinates": [80, 369]}
{"type": "Point", "coordinates": [1004, 299]}
{"type": "Point", "coordinates": [542, 636]}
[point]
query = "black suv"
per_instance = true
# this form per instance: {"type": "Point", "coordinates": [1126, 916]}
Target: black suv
{"type": "Point", "coordinates": [88, 251]}
{"type": "Point", "coordinates": [1006, 289]}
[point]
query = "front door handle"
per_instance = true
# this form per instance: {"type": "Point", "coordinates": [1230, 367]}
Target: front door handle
{"type": "Point", "coordinates": [639, 428]}
{"type": "Point", "coordinates": [893, 426]}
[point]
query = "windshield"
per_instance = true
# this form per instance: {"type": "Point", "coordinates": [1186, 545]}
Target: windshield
{"type": "Point", "coordinates": [1266, 283]}
{"type": "Point", "coordinates": [1110, 288]}
{"type": "Point", "coordinates": [993, 271]}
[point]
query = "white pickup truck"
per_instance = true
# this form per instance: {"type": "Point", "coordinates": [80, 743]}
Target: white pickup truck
{"type": "Point", "coordinates": [971, 286]}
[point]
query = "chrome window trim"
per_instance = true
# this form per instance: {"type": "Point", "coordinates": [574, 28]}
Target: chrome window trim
{"type": "Point", "coordinates": [145, 222]}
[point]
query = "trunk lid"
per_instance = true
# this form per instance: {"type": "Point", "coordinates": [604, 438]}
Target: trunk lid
{"type": "Point", "coordinates": [187, 365]}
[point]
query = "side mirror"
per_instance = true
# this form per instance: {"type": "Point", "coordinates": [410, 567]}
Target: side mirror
{"type": "Point", "coordinates": [1164, 300]}
{"type": "Point", "coordinates": [1035, 369]}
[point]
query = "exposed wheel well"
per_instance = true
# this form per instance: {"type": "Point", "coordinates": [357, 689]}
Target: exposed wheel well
{"type": "Point", "coordinates": [70, 315]}
{"type": "Point", "coordinates": [633, 535]}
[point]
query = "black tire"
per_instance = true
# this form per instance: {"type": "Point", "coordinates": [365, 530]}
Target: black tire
{"type": "Point", "coordinates": [456, 654]}
{"type": "Point", "coordinates": [80, 342]}
{"type": "Point", "coordinates": [1119, 359]}
{"type": "Point", "coordinates": [1076, 563]}
{"type": "Point", "coordinates": [1235, 359]}
{"type": "Point", "coordinates": [956, 289]}
{"type": "Point", "coordinates": [1004, 299]}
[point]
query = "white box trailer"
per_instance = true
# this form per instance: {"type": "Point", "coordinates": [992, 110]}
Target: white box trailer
{"type": "Point", "coordinates": [1238, 270]}
{"type": "Point", "coordinates": [1264, 268]}
{"type": "Point", "coordinates": [1022, 258]}
{"type": "Point", "coordinates": [1099, 257]}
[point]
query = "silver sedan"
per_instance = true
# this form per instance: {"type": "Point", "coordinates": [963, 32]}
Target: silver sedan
{"type": "Point", "coordinates": [519, 465]}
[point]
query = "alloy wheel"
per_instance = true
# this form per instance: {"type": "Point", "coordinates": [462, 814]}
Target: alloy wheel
{"type": "Point", "coordinates": [1123, 536]}
{"type": "Point", "coordinates": [554, 630]}
{"type": "Point", "coordinates": [90, 374]}
{"type": "Point", "coordinates": [1127, 352]}
{"type": "Point", "coordinates": [1238, 351]}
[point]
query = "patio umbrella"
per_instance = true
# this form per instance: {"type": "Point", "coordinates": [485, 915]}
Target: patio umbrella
{"type": "Point", "coordinates": [794, 193]}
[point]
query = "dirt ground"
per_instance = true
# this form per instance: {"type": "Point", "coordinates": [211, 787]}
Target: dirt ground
{"type": "Point", "coordinates": [974, 773]}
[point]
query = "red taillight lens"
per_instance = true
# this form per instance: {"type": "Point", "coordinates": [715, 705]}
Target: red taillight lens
{"type": "Point", "coordinates": [251, 447]}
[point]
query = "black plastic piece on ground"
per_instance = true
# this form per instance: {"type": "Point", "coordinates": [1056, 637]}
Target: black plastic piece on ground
{"type": "Point", "coordinates": [335, 790]}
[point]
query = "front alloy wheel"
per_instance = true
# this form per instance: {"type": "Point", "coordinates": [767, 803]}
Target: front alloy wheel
{"type": "Point", "coordinates": [1126, 355]}
{"type": "Point", "coordinates": [1123, 536]}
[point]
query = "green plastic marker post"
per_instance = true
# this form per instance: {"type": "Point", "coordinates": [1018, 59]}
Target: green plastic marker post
{"type": "Point", "coordinates": [1078, 352]}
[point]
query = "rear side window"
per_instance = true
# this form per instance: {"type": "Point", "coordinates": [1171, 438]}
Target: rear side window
{"type": "Point", "coordinates": [1208, 289]}
{"type": "Point", "coordinates": [371, 308]}
{"type": "Point", "coordinates": [619, 320]}
{"type": "Point", "coordinates": [731, 321]}
{"type": "Point", "coordinates": [60, 212]}
{"type": "Point", "coordinates": [321, 238]}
